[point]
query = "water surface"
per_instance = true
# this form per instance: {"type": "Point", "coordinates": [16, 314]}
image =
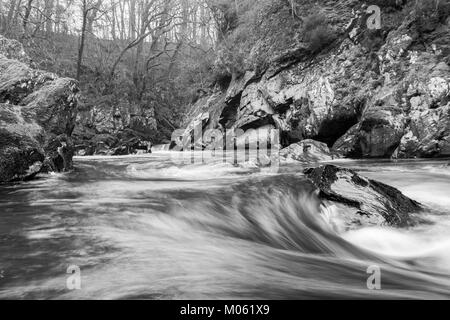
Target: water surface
{"type": "Point", "coordinates": [143, 227]}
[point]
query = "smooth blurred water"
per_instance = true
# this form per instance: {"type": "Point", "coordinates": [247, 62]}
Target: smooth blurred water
{"type": "Point", "coordinates": [143, 227]}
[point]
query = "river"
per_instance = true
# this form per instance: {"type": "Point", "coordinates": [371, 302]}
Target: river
{"type": "Point", "coordinates": [142, 227]}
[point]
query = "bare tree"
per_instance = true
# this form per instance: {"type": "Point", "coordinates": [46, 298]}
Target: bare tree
{"type": "Point", "coordinates": [89, 10]}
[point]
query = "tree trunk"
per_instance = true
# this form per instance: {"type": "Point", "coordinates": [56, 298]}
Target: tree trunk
{"type": "Point", "coordinates": [92, 16]}
{"type": "Point", "coordinates": [9, 19]}
{"type": "Point", "coordinates": [16, 14]}
{"type": "Point", "coordinates": [132, 33]}
{"type": "Point", "coordinates": [83, 39]}
{"type": "Point", "coordinates": [26, 17]}
{"type": "Point", "coordinates": [113, 24]}
{"type": "Point", "coordinates": [48, 13]}
{"type": "Point", "coordinates": [12, 8]}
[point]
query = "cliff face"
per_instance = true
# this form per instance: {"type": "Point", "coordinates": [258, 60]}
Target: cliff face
{"type": "Point", "coordinates": [370, 93]}
{"type": "Point", "coordinates": [37, 116]}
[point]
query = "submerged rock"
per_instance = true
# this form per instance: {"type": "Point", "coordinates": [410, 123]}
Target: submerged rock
{"type": "Point", "coordinates": [364, 201]}
{"type": "Point", "coordinates": [37, 117]}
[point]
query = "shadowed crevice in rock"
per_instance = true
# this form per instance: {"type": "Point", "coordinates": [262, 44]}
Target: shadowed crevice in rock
{"type": "Point", "coordinates": [229, 114]}
{"type": "Point", "coordinates": [331, 130]}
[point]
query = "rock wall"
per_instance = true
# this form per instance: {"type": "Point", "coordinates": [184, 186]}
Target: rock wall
{"type": "Point", "coordinates": [120, 130]}
{"type": "Point", "coordinates": [37, 116]}
{"type": "Point", "coordinates": [372, 93]}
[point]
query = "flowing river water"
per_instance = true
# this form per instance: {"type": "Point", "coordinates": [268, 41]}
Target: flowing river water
{"type": "Point", "coordinates": [142, 227]}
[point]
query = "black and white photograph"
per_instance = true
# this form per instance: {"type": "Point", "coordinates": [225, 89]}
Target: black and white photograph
{"type": "Point", "coordinates": [246, 151]}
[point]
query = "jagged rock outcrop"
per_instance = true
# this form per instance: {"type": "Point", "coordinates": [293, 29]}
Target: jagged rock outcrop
{"type": "Point", "coordinates": [408, 115]}
{"type": "Point", "coordinates": [120, 130]}
{"type": "Point", "coordinates": [13, 49]}
{"type": "Point", "coordinates": [371, 93]}
{"type": "Point", "coordinates": [308, 151]}
{"type": "Point", "coordinates": [205, 114]}
{"type": "Point", "coordinates": [363, 201]}
{"type": "Point", "coordinates": [37, 117]}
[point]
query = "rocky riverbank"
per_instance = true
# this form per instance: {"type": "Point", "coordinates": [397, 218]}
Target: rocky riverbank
{"type": "Point", "coordinates": [37, 116]}
{"type": "Point", "coordinates": [370, 94]}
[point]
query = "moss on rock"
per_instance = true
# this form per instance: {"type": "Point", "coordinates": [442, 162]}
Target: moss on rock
{"type": "Point", "coordinates": [37, 117]}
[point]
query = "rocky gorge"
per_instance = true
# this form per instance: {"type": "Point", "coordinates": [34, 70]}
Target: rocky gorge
{"type": "Point", "coordinates": [372, 93]}
{"type": "Point", "coordinates": [369, 93]}
{"type": "Point", "coordinates": [312, 160]}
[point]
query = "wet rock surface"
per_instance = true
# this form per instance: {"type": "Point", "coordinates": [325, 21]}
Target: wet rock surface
{"type": "Point", "coordinates": [37, 117]}
{"type": "Point", "coordinates": [363, 201]}
{"type": "Point", "coordinates": [104, 131]}
{"type": "Point", "coordinates": [371, 94]}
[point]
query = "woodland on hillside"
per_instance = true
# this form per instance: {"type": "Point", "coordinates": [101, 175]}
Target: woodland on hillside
{"type": "Point", "coordinates": [159, 54]}
{"type": "Point", "coordinates": [162, 55]}
{"type": "Point", "coordinates": [149, 52]}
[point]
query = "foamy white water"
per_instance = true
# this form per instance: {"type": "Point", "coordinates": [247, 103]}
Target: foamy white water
{"type": "Point", "coordinates": [146, 227]}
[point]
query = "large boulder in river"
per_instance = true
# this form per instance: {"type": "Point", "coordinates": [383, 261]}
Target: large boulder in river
{"type": "Point", "coordinates": [37, 117]}
{"type": "Point", "coordinates": [364, 201]}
